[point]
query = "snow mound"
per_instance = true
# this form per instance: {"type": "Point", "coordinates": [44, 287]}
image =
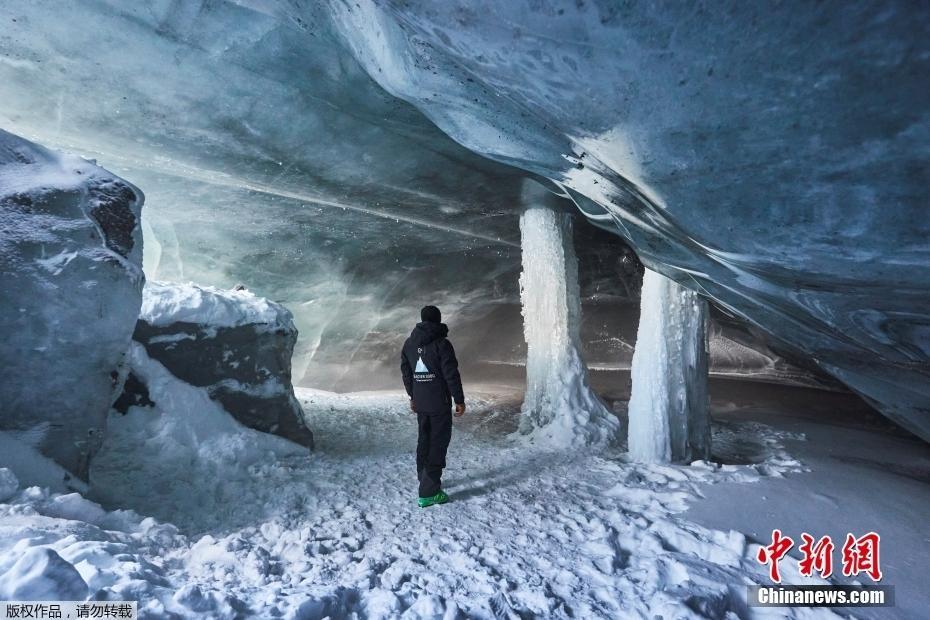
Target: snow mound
{"type": "Point", "coordinates": [592, 537]}
{"type": "Point", "coordinates": [65, 547]}
{"type": "Point", "coordinates": [188, 442]}
{"type": "Point", "coordinates": [166, 303]}
{"type": "Point", "coordinates": [40, 574]}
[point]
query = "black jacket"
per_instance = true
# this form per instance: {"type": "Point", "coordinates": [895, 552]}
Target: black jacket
{"type": "Point", "coordinates": [430, 370]}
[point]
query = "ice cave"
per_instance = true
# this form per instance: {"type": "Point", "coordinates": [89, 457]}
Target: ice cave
{"type": "Point", "coordinates": [682, 250]}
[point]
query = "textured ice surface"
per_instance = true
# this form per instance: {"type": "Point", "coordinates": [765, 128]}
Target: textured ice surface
{"type": "Point", "coordinates": [40, 574]}
{"type": "Point", "coordinates": [350, 215]}
{"type": "Point", "coordinates": [773, 158]}
{"type": "Point", "coordinates": [559, 406]}
{"type": "Point", "coordinates": [668, 409]}
{"type": "Point", "coordinates": [70, 289]}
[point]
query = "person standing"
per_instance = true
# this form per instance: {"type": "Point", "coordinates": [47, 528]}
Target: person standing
{"type": "Point", "coordinates": [431, 377]}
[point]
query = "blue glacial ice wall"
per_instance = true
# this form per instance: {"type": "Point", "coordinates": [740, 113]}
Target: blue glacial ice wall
{"type": "Point", "coordinates": [772, 157]}
{"type": "Point", "coordinates": [336, 155]}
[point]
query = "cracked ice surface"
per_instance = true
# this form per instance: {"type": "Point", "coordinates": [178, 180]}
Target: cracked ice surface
{"type": "Point", "coordinates": [339, 532]}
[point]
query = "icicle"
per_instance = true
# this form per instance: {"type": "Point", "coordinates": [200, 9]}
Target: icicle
{"type": "Point", "coordinates": [559, 406]}
{"type": "Point", "coordinates": [668, 406]}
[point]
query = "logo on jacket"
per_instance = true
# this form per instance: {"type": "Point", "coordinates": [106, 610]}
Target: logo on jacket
{"type": "Point", "coordinates": [421, 373]}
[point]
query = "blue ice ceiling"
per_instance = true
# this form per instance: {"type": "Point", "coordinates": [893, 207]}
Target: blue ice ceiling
{"type": "Point", "coordinates": [772, 157]}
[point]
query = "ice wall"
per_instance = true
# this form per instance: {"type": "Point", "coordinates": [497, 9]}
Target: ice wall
{"type": "Point", "coordinates": [668, 409]}
{"type": "Point", "coordinates": [773, 157]}
{"type": "Point", "coordinates": [559, 408]}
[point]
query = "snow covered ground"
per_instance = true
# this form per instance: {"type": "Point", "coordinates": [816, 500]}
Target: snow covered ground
{"type": "Point", "coordinates": [237, 523]}
{"type": "Point", "coordinates": [862, 476]}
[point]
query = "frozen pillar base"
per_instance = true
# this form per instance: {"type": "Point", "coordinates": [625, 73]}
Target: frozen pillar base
{"type": "Point", "coordinates": [669, 419]}
{"type": "Point", "coordinates": [559, 407]}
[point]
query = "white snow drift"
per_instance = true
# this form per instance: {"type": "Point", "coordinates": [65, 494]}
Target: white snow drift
{"type": "Point", "coordinates": [165, 303]}
{"type": "Point", "coordinates": [244, 529]}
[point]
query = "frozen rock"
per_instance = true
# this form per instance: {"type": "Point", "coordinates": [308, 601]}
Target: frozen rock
{"type": "Point", "coordinates": [559, 405]}
{"type": "Point", "coordinates": [669, 419]}
{"type": "Point", "coordinates": [70, 272]}
{"type": "Point", "coordinates": [234, 344]}
{"type": "Point", "coordinates": [40, 574]}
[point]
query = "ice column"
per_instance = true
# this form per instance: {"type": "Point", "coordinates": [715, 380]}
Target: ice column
{"type": "Point", "coordinates": [669, 420]}
{"type": "Point", "coordinates": [559, 407]}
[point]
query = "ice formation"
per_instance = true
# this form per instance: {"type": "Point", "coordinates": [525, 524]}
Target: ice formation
{"type": "Point", "coordinates": [668, 410]}
{"type": "Point", "coordinates": [309, 215]}
{"type": "Point", "coordinates": [806, 218]}
{"type": "Point", "coordinates": [559, 406]}
{"type": "Point", "coordinates": [233, 343]}
{"type": "Point", "coordinates": [71, 282]}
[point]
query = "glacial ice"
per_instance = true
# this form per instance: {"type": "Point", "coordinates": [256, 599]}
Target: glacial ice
{"type": "Point", "coordinates": [71, 282]}
{"type": "Point", "coordinates": [9, 483]}
{"type": "Point", "coordinates": [669, 418]}
{"type": "Point", "coordinates": [344, 217]}
{"type": "Point", "coordinates": [559, 407]}
{"type": "Point", "coordinates": [773, 160]}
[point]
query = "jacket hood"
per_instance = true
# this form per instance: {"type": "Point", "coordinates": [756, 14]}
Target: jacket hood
{"type": "Point", "coordinates": [426, 332]}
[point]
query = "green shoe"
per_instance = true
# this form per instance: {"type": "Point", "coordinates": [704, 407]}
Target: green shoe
{"type": "Point", "coordinates": [439, 498]}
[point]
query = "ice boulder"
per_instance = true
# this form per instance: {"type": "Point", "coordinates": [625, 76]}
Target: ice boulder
{"type": "Point", "coordinates": [70, 291]}
{"type": "Point", "coordinates": [40, 574]}
{"type": "Point", "coordinates": [233, 343]}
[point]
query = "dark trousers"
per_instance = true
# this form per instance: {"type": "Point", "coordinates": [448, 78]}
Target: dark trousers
{"type": "Point", "coordinates": [432, 443]}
